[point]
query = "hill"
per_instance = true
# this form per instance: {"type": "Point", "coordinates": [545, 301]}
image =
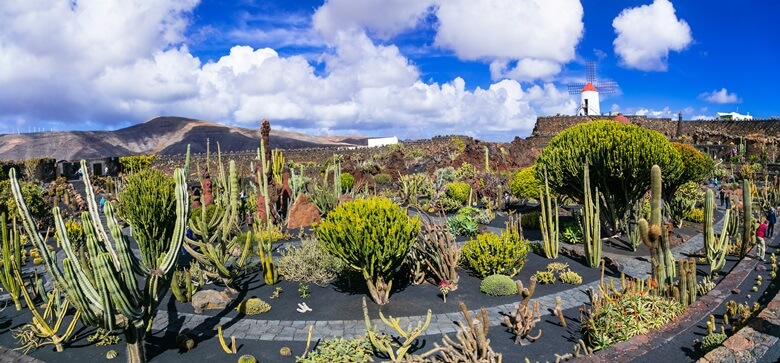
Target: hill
{"type": "Point", "coordinates": [160, 135]}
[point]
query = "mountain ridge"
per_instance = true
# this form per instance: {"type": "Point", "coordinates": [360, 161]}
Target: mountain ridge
{"type": "Point", "coordinates": [164, 135]}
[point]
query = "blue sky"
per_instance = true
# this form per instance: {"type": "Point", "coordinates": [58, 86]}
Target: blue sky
{"type": "Point", "coordinates": [410, 68]}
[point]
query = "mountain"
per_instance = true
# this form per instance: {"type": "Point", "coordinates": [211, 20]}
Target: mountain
{"type": "Point", "coordinates": [160, 135]}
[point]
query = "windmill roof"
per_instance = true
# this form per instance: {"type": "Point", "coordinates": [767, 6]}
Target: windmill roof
{"type": "Point", "coordinates": [589, 87]}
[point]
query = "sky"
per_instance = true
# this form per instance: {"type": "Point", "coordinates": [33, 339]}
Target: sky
{"type": "Point", "coordinates": [407, 68]}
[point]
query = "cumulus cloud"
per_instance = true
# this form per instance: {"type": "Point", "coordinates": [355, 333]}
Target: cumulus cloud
{"type": "Point", "coordinates": [665, 112]}
{"type": "Point", "coordinates": [721, 97]}
{"type": "Point", "coordinates": [383, 18]}
{"type": "Point", "coordinates": [647, 33]}
{"type": "Point", "coordinates": [538, 35]}
{"type": "Point", "coordinates": [110, 78]}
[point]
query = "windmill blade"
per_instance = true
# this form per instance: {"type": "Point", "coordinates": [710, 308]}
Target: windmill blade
{"type": "Point", "coordinates": [575, 88]}
{"type": "Point", "coordinates": [607, 87]}
{"type": "Point", "coordinates": [590, 72]}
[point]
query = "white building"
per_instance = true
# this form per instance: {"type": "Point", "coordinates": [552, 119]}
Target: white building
{"type": "Point", "coordinates": [382, 141]}
{"type": "Point", "coordinates": [589, 101]}
{"type": "Point", "coordinates": [734, 116]}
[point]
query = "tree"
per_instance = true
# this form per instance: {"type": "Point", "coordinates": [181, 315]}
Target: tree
{"type": "Point", "coordinates": [620, 158]}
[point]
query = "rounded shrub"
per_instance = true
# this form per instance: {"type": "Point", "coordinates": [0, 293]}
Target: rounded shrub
{"type": "Point", "coordinates": [524, 183]}
{"type": "Point", "coordinates": [459, 191]}
{"type": "Point", "coordinates": [347, 182]}
{"type": "Point", "coordinates": [253, 306]}
{"type": "Point", "coordinates": [712, 341]}
{"type": "Point", "coordinates": [372, 236]}
{"type": "Point", "coordinates": [498, 285]}
{"type": "Point", "coordinates": [491, 254]}
{"type": "Point", "coordinates": [383, 179]}
{"type": "Point", "coordinates": [696, 216]}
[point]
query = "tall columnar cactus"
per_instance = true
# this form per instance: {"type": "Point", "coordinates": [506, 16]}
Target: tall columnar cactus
{"type": "Point", "coordinates": [114, 299]}
{"type": "Point", "coordinates": [734, 220]}
{"type": "Point", "coordinates": [685, 291]}
{"type": "Point", "coordinates": [549, 226]}
{"type": "Point", "coordinates": [215, 246]}
{"type": "Point", "coordinates": [487, 160]}
{"type": "Point", "coordinates": [277, 166]}
{"type": "Point", "coordinates": [187, 163]}
{"type": "Point", "coordinates": [591, 226]}
{"type": "Point", "coordinates": [656, 237]}
{"type": "Point", "coordinates": [270, 275]}
{"type": "Point", "coordinates": [12, 261]}
{"type": "Point", "coordinates": [748, 227]}
{"type": "Point", "coordinates": [716, 249]}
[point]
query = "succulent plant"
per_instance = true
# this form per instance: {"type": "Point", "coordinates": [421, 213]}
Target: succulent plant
{"type": "Point", "coordinates": [285, 351]}
{"type": "Point", "coordinates": [111, 354]}
{"type": "Point", "coordinates": [246, 358]}
{"type": "Point", "coordinates": [498, 285]}
{"type": "Point", "coordinates": [253, 306]}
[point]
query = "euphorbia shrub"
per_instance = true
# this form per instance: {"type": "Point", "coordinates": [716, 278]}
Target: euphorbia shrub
{"type": "Point", "coordinates": [372, 236]}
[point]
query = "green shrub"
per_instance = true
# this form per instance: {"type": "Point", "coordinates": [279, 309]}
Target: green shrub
{"type": "Point", "coordinates": [557, 266]}
{"type": "Point", "coordinates": [482, 216]}
{"type": "Point", "coordinates": [491, 254]}
{"type": "Point", "coordinates": [498, 285]}
{"type": "Point", "coordinates": [684, 200]}
{"type": "Point", "coordinates": [309, 263]}
{"type": "Point", "coordinates": [620, 158]}
{"type": "Point", "coordinates": [463, 225]}
{"type": "Point", "coordinates": [383, 179]}
{"type": "Point", "coordinates": [696, 164]}
{"type": "Point", "coordinates": [347, 181]}
{"type": "Point", "coordinates": [524, 183]}
{"type": "Point", "coordinates": [459, 191]}
{"type": "Point", "coordinates": [136, 163]}
{"type": "Point", "coordinates": [545, 277]}
{"type": "Point", "coordinates": [447, 204]}
{"type": "Point", "coordinates": [572, 234]}
{"type": "Point", "coordinates": [147, 202]}
{"type": "Point", "coordinates": [415, 185]}
{"type": "Point", "coordinates": [32, 194]}
{"type": "Point", "coordinates": [695, 216]}
{"type": "Point", "coordinates": [531, 220]}
{"type": "Point", "coordinates": [372, 236]}
{"type": "Point", "coordinates": [340, 350]}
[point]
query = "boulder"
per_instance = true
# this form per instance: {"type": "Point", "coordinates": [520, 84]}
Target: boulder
{"type": "Point", "coordinates": [210, 299]}
{"type": "Point", "coordinates": [303, 213]}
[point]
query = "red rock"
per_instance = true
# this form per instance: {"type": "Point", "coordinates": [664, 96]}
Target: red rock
{"type": "Point", "coordinates": [303, 213]}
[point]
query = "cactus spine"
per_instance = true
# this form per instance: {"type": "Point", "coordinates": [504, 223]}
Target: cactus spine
{"type": "Point", "coordinates": [716, 248]}
{"type": "Point", "coordinates": [549, 226]}
{"type": "Point", "coordinates": [114, 299]}
{"type": "Point", "coordinates": [656, 237]}
{"type": "Point", "coordinates": [748, 229]}
{"type": "Point", "coordinates": [12, 261]}
{"type": "Point", "coordinates": [590, 223]}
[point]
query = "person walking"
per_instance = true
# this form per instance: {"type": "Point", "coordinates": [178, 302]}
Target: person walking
{"type": "Point", "coordinates": [722, 197]}
{"type": "Point", "coordinates": [771, 219]}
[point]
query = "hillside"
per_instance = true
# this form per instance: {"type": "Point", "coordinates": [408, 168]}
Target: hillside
{"type": "Point", "coordinates": [161, 135]}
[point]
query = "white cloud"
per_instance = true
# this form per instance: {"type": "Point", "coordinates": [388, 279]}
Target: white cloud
{"type": "Point", "coordinates": [665, 112]}
{"type": "Point", "coordinates": [383, 18]}
{"type": "Point", "coordinates": [539, 34]}
{"type": "Point", "coordinates": [721, 97]}
{"type": "Point", "coordinates": [646, 34]}
{"type": "Point", "coordinates": [364, 88]}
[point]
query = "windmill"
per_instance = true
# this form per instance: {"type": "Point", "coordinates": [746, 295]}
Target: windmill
{"type": "Point", "coordinates": [589, 91]}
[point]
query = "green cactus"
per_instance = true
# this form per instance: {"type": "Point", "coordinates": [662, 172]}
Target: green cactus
{"type": "Point", "coordinates": [748, 227]}
{"type": "Point", "coordinates": [12, 261]}
{"type": "Point", "coordinates": [656, 237]}
{"type": "Point", "coordinates": [591, 225]}
{"type": "Point", "coordinates": [686, 284]}
{"type": "Point", "coordinates": [216, 247]}
{"type": "Point", "coordinates": [270, 274]}
{"type": "Point", "coordinates": [277, 165]}
{"type": "Point", "coordinates": [246, 358]}
{"type": "Point", "coordinates": [253, 306]}
{"type": "Point", "coordinates": [372, 236]}
{"type": "Point", "coordinates": [549, 226]}
{"type": "Point", "coordinates": [716, 249]}
{"type": "Point", "coordinates": [114, 299]}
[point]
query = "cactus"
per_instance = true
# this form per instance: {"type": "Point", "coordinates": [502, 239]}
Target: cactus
{"type": "Point", "coordinates": [549, 226]}
{"type": "Point", "coordinates": [270, 275]}
{"type": "Point", "coordinates": [591, 226]}
{"type": "Point", "coordinates": [285, 351]}
{"type": "Point", "coordinates": [12, 261]}
{"type": "Point", "coordinates": [472, 344]}
{"type": "Point", "coordinates": [247, 358]}
{"type": "Point", "coordinates": [716, 249]}
{"type": "Point", "coordinates": [439, 251]}
{"type": "Point", "coordinates": [558, 311]}
{"type": "Point", "coordinates": [524, 319]}
{"type": "Point", "coordinates": [656, 237]}
{"type": "Point", "coordinates": [748, 228]}
{"type": "Point", "coordinates": [46, 327]}
{"type": "Point", "coordinates": [182, 286]}
{"type": "Point", "coordinates": [487, 160]}
{"type": "Point", "coordinates": [253, 306]}
{"type": "Point", "coordinates": [114, 299]}
{"type": "Point", "coordinates": [216, 247]}
{"type": "Point", "coordinates": [686, 284]}
{"type": "Point", "coordinates": [229, 349]}
{"type": "Point", "coordinates": [111, 354]}
{"type": "Point", "coordinates": [277, 166]}
{"type": "Point", "coordinates": [396, 351]}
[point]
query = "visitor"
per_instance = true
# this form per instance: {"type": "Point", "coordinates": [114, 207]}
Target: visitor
{"type": "Point", "coordinates": [102, 203]}
{"type": "Point", "coordinates": [771, 218]}
{"type": "Point", "coordinates": [506, 202]}
{"type": "Point", "coordinates": [79, 173]}
{"type": "Point", "coordinates": [722, 197]}
{"type": "Point", "coordinates": [728, 200]}
{"type": "Point", "coordinates": [761, 230]}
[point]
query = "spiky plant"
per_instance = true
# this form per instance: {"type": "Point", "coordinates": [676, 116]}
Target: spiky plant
{"type": "Point", "coordinates": [12, 261]}
{"type": "Point", "coordinates": [114, 299]}
{"type": "Point", "coordinates": [655, 235]}
{"type": "Point", "coordinates": [716, 248]}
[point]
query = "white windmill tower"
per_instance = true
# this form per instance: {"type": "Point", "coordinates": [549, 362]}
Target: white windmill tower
{"type": "Point", "coordinates": [589, 91]}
